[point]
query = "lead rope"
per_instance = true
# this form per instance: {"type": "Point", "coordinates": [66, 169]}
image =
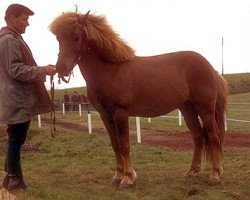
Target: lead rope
{"type": "Point", "coordinates": [52, 112]}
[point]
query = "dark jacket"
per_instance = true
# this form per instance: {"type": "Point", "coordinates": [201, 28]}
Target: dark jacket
{"type": "Point", "coordinates": [22, 91]}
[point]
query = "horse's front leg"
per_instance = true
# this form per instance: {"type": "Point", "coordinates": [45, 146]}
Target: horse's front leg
{"type": "Point", "coordinates": [122, 127]}
{"type": "Point", "coordinates": [111, 128]}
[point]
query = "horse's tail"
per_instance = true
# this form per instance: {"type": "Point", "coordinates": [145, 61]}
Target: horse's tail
{"type": "Point", "coordinates": [220, 111]}
{"type": "Point", "coordinates": [221, 106]}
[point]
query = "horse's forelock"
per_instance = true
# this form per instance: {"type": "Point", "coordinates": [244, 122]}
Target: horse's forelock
{"type": "Point", "coordinates": [64, 24]}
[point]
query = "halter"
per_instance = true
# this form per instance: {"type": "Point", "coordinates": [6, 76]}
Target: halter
{"type": "Point", "coordinates": [78, 59]}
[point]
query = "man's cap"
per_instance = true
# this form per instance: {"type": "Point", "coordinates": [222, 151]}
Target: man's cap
{"type": "Point", "coordinates": [17, 10]}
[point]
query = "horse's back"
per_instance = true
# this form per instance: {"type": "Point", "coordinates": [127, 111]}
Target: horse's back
{"type": "Point", "coordinates": [166, 81]}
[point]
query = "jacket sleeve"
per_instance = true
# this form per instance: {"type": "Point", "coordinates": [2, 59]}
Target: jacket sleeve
{"type": "Point", "coordinates": [14, 63]}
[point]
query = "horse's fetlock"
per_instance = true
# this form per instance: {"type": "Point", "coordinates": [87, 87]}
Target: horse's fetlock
{"type": "Point", "coordinates": [129, 174]}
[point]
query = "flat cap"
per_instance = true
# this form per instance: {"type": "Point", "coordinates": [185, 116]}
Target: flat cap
{"type": "Point", "coordinates": [17, 10]}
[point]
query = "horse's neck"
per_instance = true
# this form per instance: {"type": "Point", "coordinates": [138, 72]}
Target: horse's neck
{"type": "Point", "coordinates": [92, 68]}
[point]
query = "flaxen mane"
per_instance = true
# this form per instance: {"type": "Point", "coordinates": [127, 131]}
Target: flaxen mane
{"type": "Point", "coordinates": [100, 36]}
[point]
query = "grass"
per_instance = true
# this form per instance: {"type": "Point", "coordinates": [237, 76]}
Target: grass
{"type": "Point", "coordinates": [239, 108]}
{"type": "Point", "coordinates": [77, 165]}
{"type": "Point", "coordinates": [238, 83]}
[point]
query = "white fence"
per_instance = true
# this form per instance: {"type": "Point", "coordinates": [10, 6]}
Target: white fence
{"type": "Point", "coordinates": [241, 110]}
{"type": "Point", "coordinates": [137, 119]}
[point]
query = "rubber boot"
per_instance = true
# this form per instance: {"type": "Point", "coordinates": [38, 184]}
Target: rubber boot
{"type": "Point", "coordinates": [6, 181]}
{"type": "Point", "coordinates": [16, 181]}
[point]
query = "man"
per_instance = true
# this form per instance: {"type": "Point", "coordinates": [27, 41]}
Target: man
{"type": "Point", "coordinates": [22, 91]}
{"type": "Point", "coordinates": [74, 101]}
{"type": "Point", "coordinates": [66, 100]}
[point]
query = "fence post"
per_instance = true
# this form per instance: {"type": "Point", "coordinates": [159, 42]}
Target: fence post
{"type": "Point", "coordinates": [225, 122]}
{"type": "Point", "coordinates": [63, 105]}
{"type": "Point", "coordinates": [39, 121]}
{"type": "Point", "coordinates": [80, 110]}
{"type": "Point", "coordinates": [138, 129]}
{"type": "Point", "coordinates": [149, 120]}
{"type": "Point", "coordinates": [179, 116]}
{"type": "Point", "coordinates": [89, 123]}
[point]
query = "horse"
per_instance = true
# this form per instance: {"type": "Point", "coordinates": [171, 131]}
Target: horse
{"type": "Point", "coordinates": [121, 84]}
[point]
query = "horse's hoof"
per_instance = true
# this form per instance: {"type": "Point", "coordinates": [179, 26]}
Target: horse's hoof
{"type": "Point", "coordinates": [116, 182]}
{"type": "Point", "coordinates": [125, 186]}
{"type": "Point", "coordinates": [190, 173]}
{"type": "Point", "coordinates": [221, 170]}
{"type": "Point", "coordinates": [215, 179]}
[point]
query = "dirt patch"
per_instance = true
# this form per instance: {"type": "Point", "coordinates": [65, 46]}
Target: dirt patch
{"type": "Point", "coordinates": [177, 141]}
{"type": "Point", "coordinates": [27, 147]}
{"type": "Point", "coordinates": [183, 141]}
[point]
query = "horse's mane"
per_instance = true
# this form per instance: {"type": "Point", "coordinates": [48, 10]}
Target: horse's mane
{"type": "Point", "coordinates": [100, 36]}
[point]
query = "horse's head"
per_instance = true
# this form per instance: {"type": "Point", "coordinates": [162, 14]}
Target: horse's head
{"type": "Point", "coordinates": [70, 31]}
{"type": "Point", "coordinates": [69, 54]}
{"type": "Point", "coordinates": [80, 34]}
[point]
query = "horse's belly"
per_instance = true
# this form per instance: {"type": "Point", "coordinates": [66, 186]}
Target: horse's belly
{"type": "Point", "coordinates": [152, 110]}
{"type": "Point", "coordinates": [159, 100]}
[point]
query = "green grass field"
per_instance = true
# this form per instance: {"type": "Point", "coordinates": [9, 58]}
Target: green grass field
{"type": "Point", "coordinates": [75, 165]}
{"type": "Point", "coordinates": [238, 83]}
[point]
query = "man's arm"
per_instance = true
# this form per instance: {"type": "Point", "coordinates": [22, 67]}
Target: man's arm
{"type": "Point", "coordinates": [15, 67]}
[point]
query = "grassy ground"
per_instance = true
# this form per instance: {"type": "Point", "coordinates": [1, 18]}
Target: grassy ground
{"type": "Point", "coordinates": [238, 83]}
{"type": "Point", "coordinates": [76, 165]}
{"type": "Point", "coordinates": [239, 108]}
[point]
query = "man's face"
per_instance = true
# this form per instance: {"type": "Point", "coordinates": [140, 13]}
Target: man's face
{"type": "Point", "coordinates": [19, 23]}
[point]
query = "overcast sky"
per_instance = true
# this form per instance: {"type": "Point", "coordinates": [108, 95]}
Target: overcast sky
{"type": "Point", "coordinates": [151, 27]}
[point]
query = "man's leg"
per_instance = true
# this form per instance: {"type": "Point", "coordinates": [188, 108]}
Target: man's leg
{"type": "Point", "coordinates": [17, 137]}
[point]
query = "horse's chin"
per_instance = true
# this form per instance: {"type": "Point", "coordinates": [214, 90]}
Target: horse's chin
{"type": "Point", "coordinates": [63, 74]}
{"type": "Point", "coordinates": [63, 78]}
{"type": "Point", "coordinates": [62, 70]}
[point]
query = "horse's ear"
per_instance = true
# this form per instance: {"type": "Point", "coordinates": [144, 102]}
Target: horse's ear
{"type": "Point", "coordinates": [82, 21]}
{"type": "Point", "coordinates": [84, 18]}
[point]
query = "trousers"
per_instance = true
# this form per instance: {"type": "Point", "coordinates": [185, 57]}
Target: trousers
{"type": "Point", "coordinates": [17, 136]}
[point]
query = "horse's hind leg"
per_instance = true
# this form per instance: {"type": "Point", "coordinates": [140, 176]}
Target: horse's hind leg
{"type": "Point", "coordinates": [210, 125]}
{"type": "Point", "coordinates": [192, 122]}
{"type": "Point", "coordinates": [110, 126]}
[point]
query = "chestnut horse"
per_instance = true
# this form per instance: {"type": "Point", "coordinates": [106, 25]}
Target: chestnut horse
{"type": "Point", "coordinates": [120, 84]}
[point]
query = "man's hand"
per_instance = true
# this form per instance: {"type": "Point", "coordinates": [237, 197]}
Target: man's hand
{"type": "Point", "coordinates": [49, 70]}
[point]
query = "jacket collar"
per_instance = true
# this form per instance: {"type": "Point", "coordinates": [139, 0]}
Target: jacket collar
{"type": "Point", "coordinates": [9, 30]}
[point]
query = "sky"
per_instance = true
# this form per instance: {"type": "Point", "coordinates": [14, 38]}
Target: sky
{"type": "Point", "coordinates": [151, 27]}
